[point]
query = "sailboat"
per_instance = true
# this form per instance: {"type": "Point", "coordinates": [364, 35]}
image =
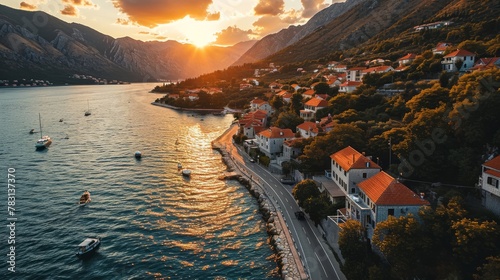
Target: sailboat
{"type": "Point", "coordinates": [87, 113]}
{"type": "Point", "coordinates": [44, 141]}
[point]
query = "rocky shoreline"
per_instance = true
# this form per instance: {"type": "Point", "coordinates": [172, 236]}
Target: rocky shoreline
{"type": "Point", "coordinates": [287, 265]}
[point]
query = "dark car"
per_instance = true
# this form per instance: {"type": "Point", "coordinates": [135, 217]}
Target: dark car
{"type": "Point", "coordinates": [300, 215]}
{"type": "Point", "coordinates": [287, 181]}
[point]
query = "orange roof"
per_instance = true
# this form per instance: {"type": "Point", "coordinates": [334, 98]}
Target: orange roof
{"type": "Point", "coordinates": [258, 101]}
{"type": "Point", "coordinates": [276, 132]}
{"type": "Point", "coordinates": [493, 173]}
{"type": "Point", "coordinates": [348, 158]}
{"type": "Point", "coordinates": [383, 189]}
{"type": "Point", "coordinates": [441, 46]}
{"type": "Point", "coordinates": [308, 92]}
{"type": "Point", "coordinates": [350, 84]}
{"type": "Point", "coordinates": [316, 102]}
{"type": "Point", "coordinates": [493, 163]}
{"type": "Point", "coordinates": [308, 126]}
{"type": "Point", "coordinates": [356, 68]}
{"type": "Point", "coordinates": [460, 53]}
{"type": "Point", "coordinates": [408, 56]}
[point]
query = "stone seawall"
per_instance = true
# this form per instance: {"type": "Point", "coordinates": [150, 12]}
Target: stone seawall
{"type": "Point", "coordinates": [287, 265]}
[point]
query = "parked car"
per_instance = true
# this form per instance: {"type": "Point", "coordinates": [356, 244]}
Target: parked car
{"type": "Point", "coordinates": [300, 215]}
{"type": "Point", "coordinates": [252, 160]}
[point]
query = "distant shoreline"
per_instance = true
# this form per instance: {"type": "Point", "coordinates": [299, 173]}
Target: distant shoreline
{"type": "Point", "coordinates": [188, 109]}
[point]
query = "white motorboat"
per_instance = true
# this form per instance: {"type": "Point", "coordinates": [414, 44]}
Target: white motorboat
{"type": "Point", "coordinates": [88, 246]}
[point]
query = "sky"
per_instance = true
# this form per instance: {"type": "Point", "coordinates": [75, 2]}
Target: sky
{"type": "Point", "coordinates": [198, 22]}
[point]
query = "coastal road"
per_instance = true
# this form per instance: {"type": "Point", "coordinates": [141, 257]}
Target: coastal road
{"type": "Point", "coordinates": [314, 252]}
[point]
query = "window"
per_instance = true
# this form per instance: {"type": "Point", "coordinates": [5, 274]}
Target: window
{"type": "Point", "coordinates": [390, 212]}
{"type": "Point", "coordinates": [492, 181]}
{"type": "Point", "coordinates": [353, 190]}
{"type": "Point", "coordinates": [345, 173]}
{"type": "Point", "coordinates": [364, 175]}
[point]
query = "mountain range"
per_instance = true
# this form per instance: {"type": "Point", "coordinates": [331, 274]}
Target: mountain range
{"type": "Point", "coordinates": [35, 43]}
{"type": "Point", "coordinates": [38, 45]}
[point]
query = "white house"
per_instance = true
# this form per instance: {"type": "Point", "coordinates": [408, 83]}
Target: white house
{"type": "Point", "coordinates": [307, 129]}
{"type": "Point", "coordinates": [349, 86]}
{"type": "Point", "coordinates": [259, 104]}
{"type": "Point", "coordinates": [252, 123]}
{"type": "Point", "coordinates": [349, 167]}
{"type": "Point", "coordinates": [407, 59]}
{"type": "Point", "coordinates": [441, 47]}
{"type": "Point", "coordinates": [354, 74]}
{"type": "Point", "coordinates": [290, 151]}
{"type": "Point", "coordinates": [379, 197]}
{"type": "Point", "coordinates": [271, 140]}
{"type": "Point", "coordinates": [489, 183]}
{"type": "Point", "coordinates": [311, 107]}
{"type": "Point", "coordinates": [449, 61]}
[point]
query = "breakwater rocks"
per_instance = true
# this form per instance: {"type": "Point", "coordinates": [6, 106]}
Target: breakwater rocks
{"type": "Point", "coordinates": [275, 225]}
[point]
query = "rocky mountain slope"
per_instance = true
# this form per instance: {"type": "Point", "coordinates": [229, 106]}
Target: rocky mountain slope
{"type": "Point", "coordinates": [273, 43]}
{"type": "Point", "coordinates": [366, 20]}
{"type": "Point", "coordinates": [37, 45]}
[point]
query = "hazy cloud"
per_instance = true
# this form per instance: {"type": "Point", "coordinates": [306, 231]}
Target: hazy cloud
{"type": "Point", "coordinates": [232, 35]}
{"type": "Point", "coordinates": [144, 32]}
{"type": "Point", "coordinates": [123, 21]}
{"type": "Point", "coordinates": [311, 7]}
{"type": "Point", "coordinates": [83, 3]}
{"type": "Point", "coordinates": [153, 12]}
{"type": "Point", "coordinates": [269, 7]}
{"type": "Point", "coordinates": [27, 6]}
{"type": "Point", "coordinates": [269, 24]}
{"type": "Point", "coordinates": [292, 17]}
{"type": "Point", "coordinates": [69, 11]}
{"type": "Point", "coordinates": [161, 37]}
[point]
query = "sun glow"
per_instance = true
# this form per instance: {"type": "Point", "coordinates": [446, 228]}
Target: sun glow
{"type": "Point", "coordinates": [197, 33]}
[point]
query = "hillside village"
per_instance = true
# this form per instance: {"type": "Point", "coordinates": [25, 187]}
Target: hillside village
{"type": "Point", "coordinates": [355, 184]}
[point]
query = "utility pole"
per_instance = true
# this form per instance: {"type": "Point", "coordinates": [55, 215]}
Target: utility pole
{"type": "Point", "coordinates": [390, 152]}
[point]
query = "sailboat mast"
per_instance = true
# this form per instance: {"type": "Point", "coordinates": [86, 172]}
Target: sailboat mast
{"type": "Point", "coordinates": [40, 121]}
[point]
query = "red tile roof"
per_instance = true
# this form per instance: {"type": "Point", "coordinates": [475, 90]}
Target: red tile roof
{"type": "Point", "coordinates": [308, 126]}
{"type": "Point", "coordinates": [258, 101]}
{"type": "Point", "coordinates": [461, 53]}
{"type": "Point", "coordinates": [309, 92]}
{"type": "Point", "coordinates": [276, 132]}
{"type": "Point", "coordinates": [316, 102]}
{"type": "Point", "coordinates": [408, 56]}
{"type": "Point", "coordinates": [383, 189]}
{"type": "Point", "coordinates": [348, 158]}
{"type": "Point", "coordinates": [493, 163]}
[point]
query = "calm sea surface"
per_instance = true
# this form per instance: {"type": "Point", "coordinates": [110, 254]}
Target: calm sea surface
{"type": "Point", "coordinates": [153, 222]}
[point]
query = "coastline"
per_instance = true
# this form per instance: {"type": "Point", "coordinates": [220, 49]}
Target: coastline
{"type": "Point", "coordinates": [203, 111]}
{"type": "Point", "coordinates": [289, 264]}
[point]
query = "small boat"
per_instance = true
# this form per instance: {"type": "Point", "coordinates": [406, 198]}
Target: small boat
{"type": "Point", "coordinates": [88, 246]}
{"type": "Point", "coordinates": [60, 120]}
{"type": "Point", "coordinates": [186, 172]}
{"type": "Point", "coordinates": [138, 155]}
{"type": "Point", "coordinates": [84, 199]}
{"type": "Point", "coordinates": [87, 113]}
{"type": "Point", "coordinates": [44, 141]}
{"type": "Point", "coordinates": [32, 131]}
{"type": "Point", "coordinates": [179, 166]}
{"type": "Point", "coordinates": [177, 141]}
